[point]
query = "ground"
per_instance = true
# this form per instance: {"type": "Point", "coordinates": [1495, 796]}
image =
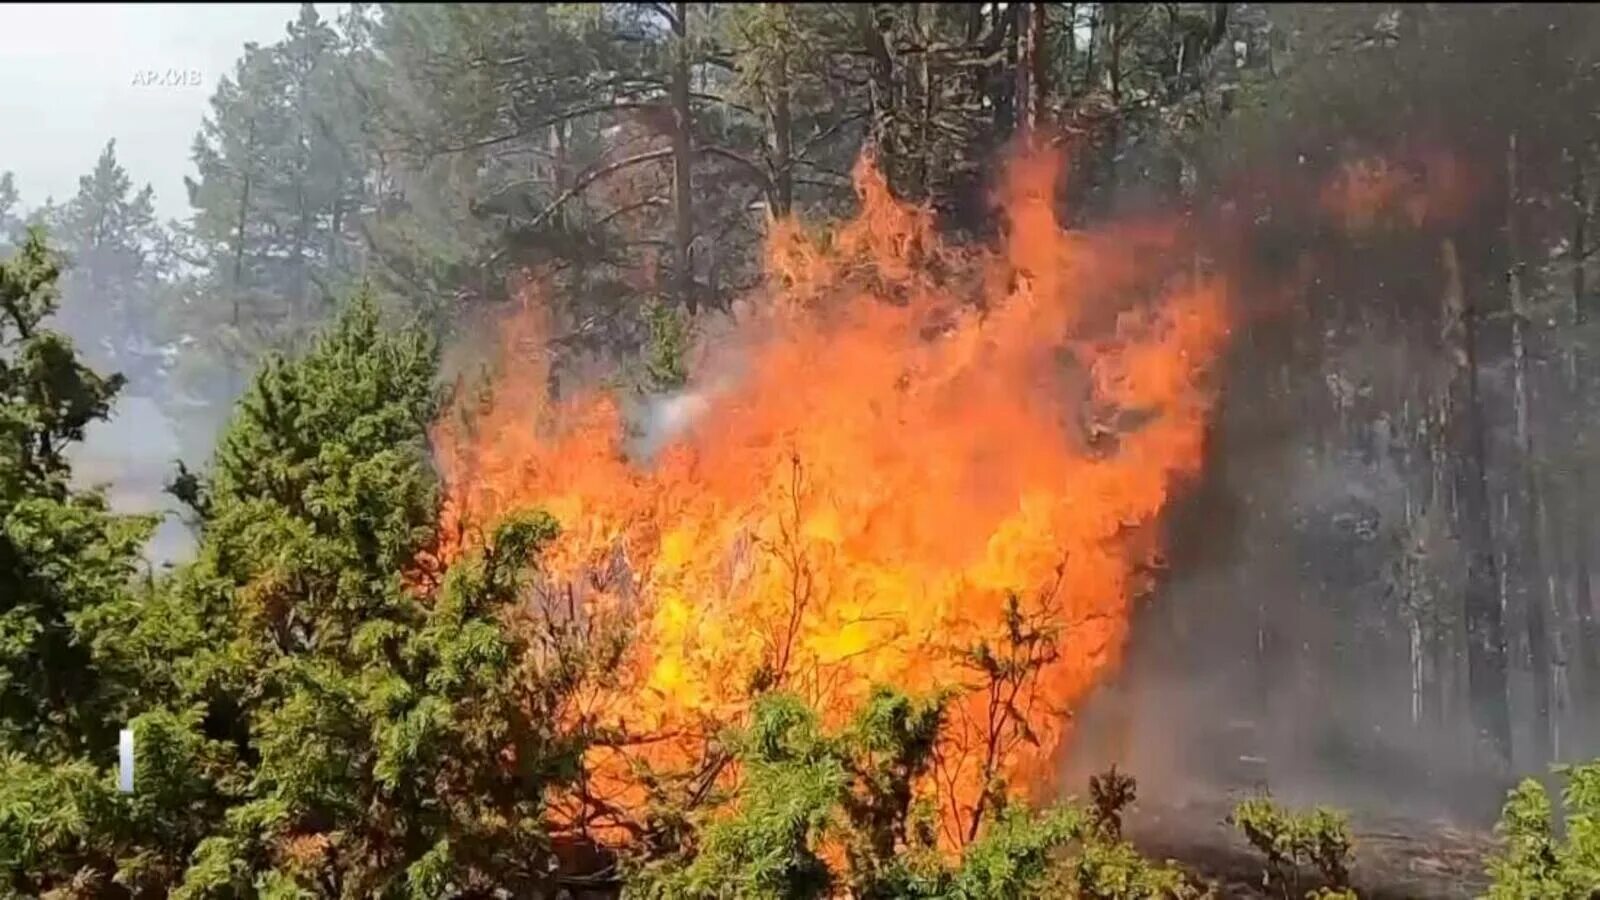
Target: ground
{"type": "Point", "coordinates": [1398, 859]}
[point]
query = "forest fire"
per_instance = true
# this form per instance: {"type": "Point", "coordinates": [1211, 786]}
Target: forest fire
{"type": "Point", "coordinates": [929, 466]}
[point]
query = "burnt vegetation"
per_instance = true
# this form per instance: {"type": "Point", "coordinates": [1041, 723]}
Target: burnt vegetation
{"type": "Point", "coordinates": [1378, 593]}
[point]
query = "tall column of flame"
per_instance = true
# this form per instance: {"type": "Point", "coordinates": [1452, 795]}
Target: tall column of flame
{"type": "Point", "coordinates": [915, 432]}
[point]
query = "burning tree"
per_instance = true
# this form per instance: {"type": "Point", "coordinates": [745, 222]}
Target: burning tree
{"type": "Point", "coordinates": [899, 450]}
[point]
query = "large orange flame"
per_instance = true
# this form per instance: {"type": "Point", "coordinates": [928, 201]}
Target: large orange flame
{"type": "Point", "coordinates": [894, 438]}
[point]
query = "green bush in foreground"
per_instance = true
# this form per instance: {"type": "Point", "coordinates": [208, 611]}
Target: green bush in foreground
{"type": "Point", "coordinates": [1534, 864]}
{"type": "Point", "coordinates": [1297, 844]}
{"type": "Point", "coordinates": [805, 789]}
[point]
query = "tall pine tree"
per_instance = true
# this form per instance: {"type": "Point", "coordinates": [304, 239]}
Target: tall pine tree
{"type": "Point", "coordinates": [113, 281]}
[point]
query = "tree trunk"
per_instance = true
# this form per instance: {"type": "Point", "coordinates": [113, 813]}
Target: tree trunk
{"type": "Point", "coordinates": [920, 26]}
{"type": "Point", "coordinates": [560, 167]}
{"type": "Point", "coordinates": [1032, 67]}
{"type": "Point", "coordinates": [1531, 583]}
{"type": "Point", "coordinates": [335, 249]}
{"type": "Point", "coordinates": [1485, 628]}
{"type": "Point", "coordinates": [1003, 95]}
{"type": "Point", "coordinates": [1096, 23]}
{"type": "Point", "coordinates": [1113, 138]}
{"type": "Point", "coordinates": [782, 200]}
{"type": "Point", "coordinates": [682, 161]}
{"type": "Point", "coordinates": [1579, 532]}
{"type": "Point", "coordinates": [239, 228]}
{"type": "Point", "coordinates": [880, 93]}
{"type": "Point", "coordinates": [1070, 46]}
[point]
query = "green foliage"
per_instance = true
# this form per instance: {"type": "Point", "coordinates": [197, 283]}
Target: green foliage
{"type": "Point", "coordinates": [666, 352]}
{"type": "Point", "coordinates": [1013, 857]}
{"type": "Point", "coordinates": [805, 791]}
{"type": "Point", "coordinates": [1291, 842]}
{"type": "Point", "coordinates": [382, 725]}
{"type": "Point", "coordinates": [795, 781]}
{"type": "Point", "coordinates": [1534, 864]}
{"type": "Point", "coordinates": [65, 823]}
{"type": "Point", "coordinates": [308, 724]}
{"type": "Point", "coordinates": [64, 559]}
{"type": "Point", "coordinates": [1107, 866]}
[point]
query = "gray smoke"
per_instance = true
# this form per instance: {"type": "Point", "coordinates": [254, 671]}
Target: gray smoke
{"type": "Point", "coordinates": [131, 456]}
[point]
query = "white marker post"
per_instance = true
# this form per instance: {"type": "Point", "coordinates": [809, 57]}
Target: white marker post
{"type": "Point", "coordinates": [125, 763]}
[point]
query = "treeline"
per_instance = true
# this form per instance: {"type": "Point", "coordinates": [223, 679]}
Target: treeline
{"type": "Point", "coordinates": [1405, 460]}
{"type": "Point", "coordinates": [629, 153]}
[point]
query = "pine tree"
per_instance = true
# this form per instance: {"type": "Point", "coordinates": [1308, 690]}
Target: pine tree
{"type": "Point", "coordinates": [279, 195]}
{"type": "Point", "coordinates": [110, 290]}
{"type": "Point", "coordinates": [10, 221]}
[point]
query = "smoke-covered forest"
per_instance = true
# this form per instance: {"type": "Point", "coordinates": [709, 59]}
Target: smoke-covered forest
{"type": "Point", "coordinates": [915, 450]}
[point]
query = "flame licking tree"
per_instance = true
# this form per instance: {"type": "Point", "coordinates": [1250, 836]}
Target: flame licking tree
{"type": "Point", "coordinates": [924, 465]}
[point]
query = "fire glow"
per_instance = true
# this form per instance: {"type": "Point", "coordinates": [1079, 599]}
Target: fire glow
{"type": "Point", "coordinates": [916, 432]}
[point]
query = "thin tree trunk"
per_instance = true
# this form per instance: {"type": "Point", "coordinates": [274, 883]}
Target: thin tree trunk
{"type": "Point", "coordinates": [881, 88]}
{"type": "Point", "coordinates": [1096, 21]}
{"type": "Point", "coordinates": [1114, 41]}
{"type": "Point", "coordinates": [1003, 94]}
{"type": "Point", "coordinates": [1532, 583]}
{"type": "Point", "coordinates": [1071, 45]}
{"type": "Point", "coordinates": [920, 13]}
{"type": "Point", "coordinates": [1032, 67]}
{"type": "Point", "coordinates": [782, 200]}
{"type": "Point", "coordinates": [559, 167]}
{"type": "Point", "coordinates": [682, 162]}
{"type": "Point", "coordinates": [1485, 626]}
{"type": "Point", "coordinates": [239, 228]}
{"type": "Point", "coordinates": [1413, 610]}
{"type": "Point", "coordinates": [334, 253]}
{"type": "Point", "coordinates": [1445, 640]}
{"type": "Point", "coordinates": [1579, 531]}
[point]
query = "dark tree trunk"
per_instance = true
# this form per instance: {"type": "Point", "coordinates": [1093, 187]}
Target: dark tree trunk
{"type": "Point", "coordinates": [1113, 136]}
{"type": "Point", "coordinates": [1485, 628]}
{"type": "Point", "coordinates": [1579, 531]}
{"type": "Point", "coordinates": [239, 227]}
{"type": "Point", "coordinates": [1032, 67]}
{"type": "Point", "coordinates": [922, 186]}
{"type": "Point", "coordinates": [782, 200]}
{"type": "Point", "coordinates": [682, 162]}
{"type": "Point", "coordinates": [880, 94]}
{"type": "Point", "coordinates": [1531, 584]}
{"type": "Point", "coordinates": [1003, 93]}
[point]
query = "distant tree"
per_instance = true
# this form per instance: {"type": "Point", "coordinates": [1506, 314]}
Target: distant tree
{"type": "Point", "coordinates": [114, 279]}
{"type": "Point", "coordinates": [281, 184]}
{"type": "Point", "coordinates": [10, 221]}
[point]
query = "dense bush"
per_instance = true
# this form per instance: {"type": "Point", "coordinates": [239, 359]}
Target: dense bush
{"type": "Point", "coordinates": [1296, 845]}
{"type": "Point", "coordinates": [829, 814]}
{"type": "Point", "coordinates": [1534, 864]}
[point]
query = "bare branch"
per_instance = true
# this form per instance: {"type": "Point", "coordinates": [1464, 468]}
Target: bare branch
{"type": "Point", "coordinates": [583, 181]}
{"type": "Point", "coordinates": [755, 169]}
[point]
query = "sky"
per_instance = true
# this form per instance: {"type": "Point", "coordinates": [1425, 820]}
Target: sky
{"type": "Point", "coordinates": [70, 79]}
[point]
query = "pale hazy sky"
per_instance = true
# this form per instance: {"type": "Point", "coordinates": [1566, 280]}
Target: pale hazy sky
{"type": "Point", "coordinates": [67, 84]}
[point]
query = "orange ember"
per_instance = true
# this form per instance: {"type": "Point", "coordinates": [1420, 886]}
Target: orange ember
{"type": "Point", "coordinates": [904, 434]}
